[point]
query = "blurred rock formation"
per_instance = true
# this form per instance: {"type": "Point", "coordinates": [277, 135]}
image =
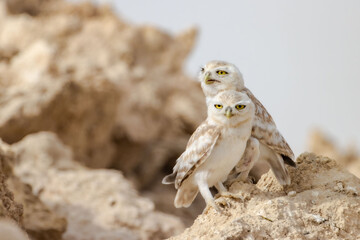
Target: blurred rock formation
{"type": "Point", "coordinates": [20, 204]}
{"type": "Point", "coordinates": [11, 231]}
{"type": "Point", "coordinates": [322, 144]}
{"type": "Point", "coordinates": [98, 204]}
{"type": "Point", "coordinates": [9, 208]}
{"type": "Point", "coordinates": [114, 92]}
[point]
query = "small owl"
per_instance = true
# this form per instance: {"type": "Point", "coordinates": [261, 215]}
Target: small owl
{"type": "Point", "coordinates": [266, 141]}
{"type": "Point", "coordinates": [214, 148]}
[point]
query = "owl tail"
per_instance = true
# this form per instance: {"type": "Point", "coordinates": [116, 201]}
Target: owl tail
{"type": "Point", "coordinates": [276, 164]}
{"type": "Point", "coordinates": [278, 167]}
{"type": "Point", "coordinates": [169, 179]}
{"type": "Point", "coordinates": [185, 196]}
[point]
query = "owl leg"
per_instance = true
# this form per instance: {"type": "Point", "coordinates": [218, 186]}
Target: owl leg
{"type": "Point", "coordinates": [220, 187]}
{"type": "Point", "coordinates": [201, 180]}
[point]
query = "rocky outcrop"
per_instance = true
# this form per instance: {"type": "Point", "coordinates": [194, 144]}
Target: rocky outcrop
{"type": "Point", "coordinates": [39, 221]}
{"type": "Point", "coordinates": [115, 93]}
{"type": "Point", "coordinates": [11, 231]}
{"type": "Point", "coordinates": [20, 204]}
{"type": "Point", "coordinates": [322, 144]}
{"type": "Point", "coordinates": [98, 204]}
{"type": "Point", "coordinates": [39, 94]}
{"type": "Point", "coordinates": [9, 208]}
{"type": "Point", "coordinates": [323, 202]}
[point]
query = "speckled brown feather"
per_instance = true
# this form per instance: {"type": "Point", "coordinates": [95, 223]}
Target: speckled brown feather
{"type": "Point", "coordinates": [197, 150]}
{"type": "Point", "coordinates": [264, 129]}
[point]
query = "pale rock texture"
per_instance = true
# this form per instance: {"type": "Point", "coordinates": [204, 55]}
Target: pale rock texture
{"type": "Point", "coordinates": [9, 208]}
{"type": "Point", "coordinates": [320, 143]}
{"type": "Point", "coordinates": [323, 202]}
{"type": "Point", "coordinates": [39, 221]}
{"type": "Point", "coordinates": [11, 231]}
{"type": "Point", "coordinates": [28, 211]}
{"type": "Point", "coordinates": [114, 92]}
{"type": "Point", "coordinates": [98, 204]}
{"type": "Point", "coordinates": [38, 97]}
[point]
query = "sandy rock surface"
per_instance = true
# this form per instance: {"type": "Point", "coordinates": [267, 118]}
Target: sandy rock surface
{"type": "Point", "coordinates": [114, 92]}
{"type": "Point", "coordinates": [20, 204]}
{"type": "Point", "coordinates": [323, 202]}
{"type": "Point", "coordinates": [38, 94]}
{"type": "Point", "coordinates": [9, 208]}
{"type": "Point", "coordinates": [39, 221]}
{"type": "Point", "coordinates": [98, 204]}
{"type": "Point", "coordinates": [11, 231]}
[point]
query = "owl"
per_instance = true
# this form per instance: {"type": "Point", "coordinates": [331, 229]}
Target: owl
{"type": "Point", "coordinates": [214, 148]}
{"type": "Point", "coordinates": [266, 147]}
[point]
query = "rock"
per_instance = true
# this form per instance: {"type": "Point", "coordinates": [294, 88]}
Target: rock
{"type": "Point", "coordinates": [317, 211]}
{"type": "Point", "coordinates": [98, 204]}
{"type": "Point", "coordinates": [9, 208]}
{"type": "Point", "coordinates": [11, 231]}
{"type": "Point", "coordinates": [28, 211]}
{"type": "Point", "coordinates": [114, 92]}
{"type": "Point", "coordinates": [322, 144]}
{"type": "Point", "coordinates": [163, 197]}
{"type": "Point", "coordinates": [40, 99]}
{"type": "Point", "coordinates": [39, 221]}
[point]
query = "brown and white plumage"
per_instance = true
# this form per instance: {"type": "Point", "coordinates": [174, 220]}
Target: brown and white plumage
{"type": "Point", "coordinates": [274, 150]}
{"type": "Point", "coordinates": [214, 148]}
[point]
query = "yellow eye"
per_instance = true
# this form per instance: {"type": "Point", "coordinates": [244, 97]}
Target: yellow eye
{"type": "Point", "coordinates": [221, 72]}
{"type": "Point", "coordinates": [218, 106]}
{"type": "Point", "coordinates": [239, 107]}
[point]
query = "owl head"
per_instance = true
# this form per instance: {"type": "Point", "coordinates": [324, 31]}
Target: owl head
{"type": "Point", "coordinates": [217, 76]}
{"type": "Point", "coordinates": [231, 107]}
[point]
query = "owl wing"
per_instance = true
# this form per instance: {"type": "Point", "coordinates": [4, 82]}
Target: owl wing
{"type": "Point", "coordinates": [265, 130]}
{"type": "Point", "coordinates": [197, 151]}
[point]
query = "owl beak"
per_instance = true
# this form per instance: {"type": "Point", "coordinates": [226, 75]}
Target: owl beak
{"type": "Point", "coordinates": [228, 112]}
{"type": "Point", "coordinates": [207, 78]}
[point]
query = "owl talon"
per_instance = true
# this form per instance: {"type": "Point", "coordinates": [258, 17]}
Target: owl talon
{"type": "Point", "coordinates": [212, 205]}
{"type": "Point", "coordinates": [229, 195]}
{"type": "Point", "coordinates": [222, 202]}
{"type": "Point", "coordinates": [251, 180]}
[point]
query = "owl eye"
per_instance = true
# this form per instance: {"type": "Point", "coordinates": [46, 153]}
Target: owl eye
{"type": "Point", "coordinates": [239, 107]}
{"type": "Point", "coordinates": [218, 106]}
{"type": "Point", "coordinates": [221, 72]}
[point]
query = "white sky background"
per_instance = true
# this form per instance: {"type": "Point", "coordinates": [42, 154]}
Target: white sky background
{"type": "Point", "coordinates": [301, 59]}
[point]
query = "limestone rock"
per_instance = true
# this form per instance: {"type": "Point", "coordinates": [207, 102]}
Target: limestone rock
{"type": "Point", "coordinates": [9, 208]}
{"type": "Point", "coordinates": [326, 206]}
{"type": "Point", "coordinates": [114, 92]}
{"type": "Point", "coordinates": [39, 221]}
{"type": "Point", "coordinates": [322, 144]}
{"type": "Point", "coordinates": [98, 204]}
{"type": "Point", "coordinates": [28, 211]}
{"type": "Point", "coordinates": [11, 231]}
